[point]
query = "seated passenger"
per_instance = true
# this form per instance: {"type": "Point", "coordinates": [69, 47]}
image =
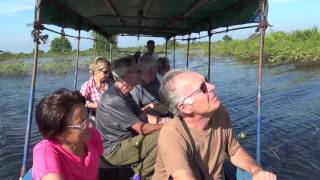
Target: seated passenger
{"type": "Point", "coordinates": [148, 90]}
{"type": "Point", "coordinates": [137, 55]}
{"type": "Point", "coordinates": [146, 94]}
{"type": "Point", "coordinates": [196, 142]}
{"type": "Point", "coordinates": [71, 147]}
{"type": "Point", "coordinates": [163, 67]}
{"type": "Point", "coordinates": [100, 79]}
{"type": "Point", "coordinates": [128, 137]}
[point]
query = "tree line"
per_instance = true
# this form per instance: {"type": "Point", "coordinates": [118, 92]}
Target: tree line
{"type": "Point", "coordinates": [101, 45]}
{"type": "Point", "coordinates": [300, 46]}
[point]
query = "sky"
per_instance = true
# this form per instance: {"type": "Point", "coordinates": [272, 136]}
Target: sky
{"type": "Point", "coordinates": [15, 35]}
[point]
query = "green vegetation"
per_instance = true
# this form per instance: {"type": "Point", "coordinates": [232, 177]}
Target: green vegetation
{"type": "Point", "coordinates": [8, 55]}
{"type": "Point", "coordinates": [15, 69]}
{"type": "Point", "coordinates": [102, 45]}
{"type": "Point", "coordinates": [60, 45]}
{"type": "Point", "coordinates": [59, 67]}
{"type": "Point", "coordinates": [50, 62]}
{"type": "Point", "coordinates": [299, 47]}
{"type": "Point", "coordinates": [227, 38]}
{"type": "Point", "coordinates": [49, 67]}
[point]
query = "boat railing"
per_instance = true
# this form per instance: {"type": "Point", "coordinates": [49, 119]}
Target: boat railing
{"type": "Point", "coordinates": [37, 37]}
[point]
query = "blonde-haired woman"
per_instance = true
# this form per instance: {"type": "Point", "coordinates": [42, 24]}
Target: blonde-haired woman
{"type": "Point", "coordinates": [100, 79]}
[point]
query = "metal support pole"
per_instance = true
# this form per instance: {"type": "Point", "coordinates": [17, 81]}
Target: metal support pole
{"type": "Point", "coordinates": [166, 48]}
{"type": "Point", "coordinates": [209, 56]}
{"type": "Point", "coordinates": [110, 51]}
{"type": "Point", "coordinates": [105, 47]}
{"type": "Point", "coordinates": [262, 27]}
{"type": "Point", "coordinates": [188, 52]}
{"type": "Point", "coordinates": [32, 90]}
{"type": "Point", "coordinates": [95, 45]}
{"type": "Point", "coordinates": [77, 64]}
{"type": "Point", "coordinates": [174, 53]}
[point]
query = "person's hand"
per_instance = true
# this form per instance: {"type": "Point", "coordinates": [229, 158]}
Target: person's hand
{"type": "Point", "coordinates": [162, 120]}
{"type": "Point", "coordinates": [147, 107]}
{"type": "Point", "coordinates": [152, 119]}
{"type": "Point", "coordinates": [162, 109]}
{"type": "Point", "coordinates": [143, 117]}
{"type": "Point", "coordinates": [261, 174]}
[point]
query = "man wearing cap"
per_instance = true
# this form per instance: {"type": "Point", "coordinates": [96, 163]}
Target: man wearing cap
{"type": "Point", "coordinates": [194, 145]}
{"type": "Point", "coordinates": [128, 137]}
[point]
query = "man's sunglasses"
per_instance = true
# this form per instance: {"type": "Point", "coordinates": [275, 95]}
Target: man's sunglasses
{"type": "Point", "coordinates": [203, 88]}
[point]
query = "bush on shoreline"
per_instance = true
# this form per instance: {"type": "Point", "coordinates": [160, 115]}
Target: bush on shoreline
{"type": "Point", "coordinates": [302, 47]}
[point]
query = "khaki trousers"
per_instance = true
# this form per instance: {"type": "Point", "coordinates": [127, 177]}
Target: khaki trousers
{"type": "Point", "coordinates": [139, 151]}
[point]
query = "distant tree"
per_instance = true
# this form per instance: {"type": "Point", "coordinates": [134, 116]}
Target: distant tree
{"type": "Point", "coordinates": [227, 38]}
{"type": "Point", "coordinates": [102, 45]}
{"type": "Point", "coordinates": [60, 45]}
{"type": "Point", "coordinates": [41, 52]}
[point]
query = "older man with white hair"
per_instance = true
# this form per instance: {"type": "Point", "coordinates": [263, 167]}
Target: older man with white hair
{"type": "Point", "coordinates": [146, 94]}
{"type": "Point", "coordinates": [128, 137]}
{"type": "Point", "coordinates": [194, 145]}
{"type": "Point", "coordinates": [148, 90]}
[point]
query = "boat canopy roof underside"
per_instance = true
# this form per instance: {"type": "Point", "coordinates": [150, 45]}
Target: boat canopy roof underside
{"type": "Point", "coordinates": [160, 18]}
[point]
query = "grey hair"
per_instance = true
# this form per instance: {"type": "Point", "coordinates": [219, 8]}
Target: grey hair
{"type": "Point", "coordinates": [120, 66]}
{"type": "Point", "coordinates": [168, 93]}
{"type": "Point", "coordinates": [98, 64]}
{"type": "Point", "coordinates": [163, 64]}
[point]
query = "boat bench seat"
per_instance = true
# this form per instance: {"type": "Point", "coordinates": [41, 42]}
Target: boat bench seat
{"type": "Point", "coordinates": [108, 171]}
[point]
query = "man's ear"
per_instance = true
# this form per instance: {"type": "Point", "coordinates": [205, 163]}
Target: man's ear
{"type": "Point", "coordinates": [184, 108]}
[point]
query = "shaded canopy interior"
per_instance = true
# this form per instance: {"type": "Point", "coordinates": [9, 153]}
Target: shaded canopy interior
{"type": "Point", "coordinates": [159, 18]}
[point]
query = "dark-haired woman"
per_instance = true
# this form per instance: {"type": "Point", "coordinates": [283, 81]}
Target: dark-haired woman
{"type": "Point", "coordinates": [71, 147]}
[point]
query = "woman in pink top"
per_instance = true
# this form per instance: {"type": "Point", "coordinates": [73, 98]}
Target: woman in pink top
{"type": "Point", "coordinates": [71, 148]}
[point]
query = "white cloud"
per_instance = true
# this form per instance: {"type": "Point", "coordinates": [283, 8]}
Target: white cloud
{"type": "Point", "coordinates": [11, 7]}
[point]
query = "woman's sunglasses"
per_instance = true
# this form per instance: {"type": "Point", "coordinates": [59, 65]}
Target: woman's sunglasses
{"type": "Point", "coordinates": [82, 126]}
{"type": "Point", "coordinates": [106, 71]}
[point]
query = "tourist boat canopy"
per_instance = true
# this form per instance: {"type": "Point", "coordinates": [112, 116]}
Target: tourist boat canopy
{"type": "Point", "coordinates": [158, 18]}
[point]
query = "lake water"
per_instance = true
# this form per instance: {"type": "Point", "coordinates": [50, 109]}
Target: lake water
{"type": "Point", "coordinates": [290, 114]}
